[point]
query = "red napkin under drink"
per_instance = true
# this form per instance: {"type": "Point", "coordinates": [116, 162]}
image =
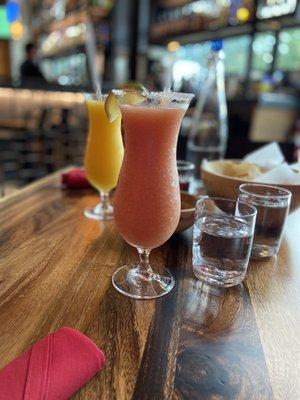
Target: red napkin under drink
{"type": "Point", "coordinates": [75, 179]}
{"type": "Point", "coordinates": [53, 368]}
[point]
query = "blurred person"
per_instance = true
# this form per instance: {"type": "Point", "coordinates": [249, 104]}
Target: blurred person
{"type": "Point", "coordinates": [29, 70]}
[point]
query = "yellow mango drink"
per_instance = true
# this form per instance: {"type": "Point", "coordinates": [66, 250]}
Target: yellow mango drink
{"type": "Point", "coordinates": [147, 199]}
{"type": "Point", "coordinates": [103, 156]}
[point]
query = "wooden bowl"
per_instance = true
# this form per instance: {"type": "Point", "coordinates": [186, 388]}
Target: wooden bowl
{"type": "Point", "coordinates": [219, 185]}
{"type": "Point", "coordinates": [188, 203]}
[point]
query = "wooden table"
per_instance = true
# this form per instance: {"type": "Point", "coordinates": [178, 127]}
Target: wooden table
{"type": "Point", "coordinates": [195, 343]}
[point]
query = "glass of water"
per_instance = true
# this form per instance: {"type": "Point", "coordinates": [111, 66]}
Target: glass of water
{"type": "Point", "coordinates": [272, 204]}
{"type": "Point", "coordinates": [222, 240]}
{"type": "Point", "coordinates": [185, 173]}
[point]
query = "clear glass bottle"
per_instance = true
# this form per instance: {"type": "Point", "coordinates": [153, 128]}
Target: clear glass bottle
{"type": "Point", "coordinates": [208, 132]}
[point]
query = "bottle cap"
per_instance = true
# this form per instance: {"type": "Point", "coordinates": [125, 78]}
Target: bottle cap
{"type": "Point", "coordinates": [216, 45]}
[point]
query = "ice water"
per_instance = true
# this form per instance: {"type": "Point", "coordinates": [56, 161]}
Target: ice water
{"type": "Point", "coordinates": [268, 229]}
{"type": "Point", "coordinates": [221, 250]}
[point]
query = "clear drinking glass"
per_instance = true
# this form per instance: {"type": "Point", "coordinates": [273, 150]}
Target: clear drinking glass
{"type": "Point", "coordinates": [222, 240]}
{"type": "Point", "coordinates": [103, 155]}
{"type": "Point", "coordinates": [272, 204]}
{"type": "Point", "coordinates": [147, 198]}
{"type": "Point", "coordinates": [185, 173]}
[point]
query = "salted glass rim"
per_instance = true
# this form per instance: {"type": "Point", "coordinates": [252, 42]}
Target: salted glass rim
{"type": "Point", "coordinates": [224, 200]}
{"type": "Point", "coordinates": [184, 165]}
{"type": "Point", "coordinates": [243, 190]}
{"type": "Point", "coordinates": [170, 96]}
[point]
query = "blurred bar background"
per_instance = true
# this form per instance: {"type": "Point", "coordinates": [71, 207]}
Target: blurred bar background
{"type": "Point", "coordinates": [43, 120]}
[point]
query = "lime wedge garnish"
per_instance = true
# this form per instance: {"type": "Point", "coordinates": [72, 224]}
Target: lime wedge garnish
{"type": "Point", "coordinates": [132, 97]}
{"type": "Point", "coordinates": [112, 107]}
{"type": "Point", "coordinates": [131, 85]}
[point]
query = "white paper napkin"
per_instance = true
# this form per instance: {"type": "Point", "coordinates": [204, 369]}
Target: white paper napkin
{"type": "Point", "coordinates": [282, 174]}
{"type": "Point", "coordinates": [295, 167]}
{"type": "Point", "coordinates": [268, 156]}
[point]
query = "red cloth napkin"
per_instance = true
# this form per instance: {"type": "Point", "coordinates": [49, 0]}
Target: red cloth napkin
{"type": "Point", "coordinates": [75, 179]}
{"type": "Point", "coordinates": [53, 368]}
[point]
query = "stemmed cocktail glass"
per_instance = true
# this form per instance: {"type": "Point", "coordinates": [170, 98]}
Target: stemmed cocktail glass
{"type": "Point", "coordinates": [103, 155]}
{"type": "Point", "coordinates": [147, 198]}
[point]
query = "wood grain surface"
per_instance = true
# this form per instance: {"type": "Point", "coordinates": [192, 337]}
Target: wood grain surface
{"type": "Point", "coordinates": [198, 342]}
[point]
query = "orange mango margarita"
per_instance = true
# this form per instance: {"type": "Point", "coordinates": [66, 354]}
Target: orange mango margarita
{"type": "Point", "coordinates": [104, 149]}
